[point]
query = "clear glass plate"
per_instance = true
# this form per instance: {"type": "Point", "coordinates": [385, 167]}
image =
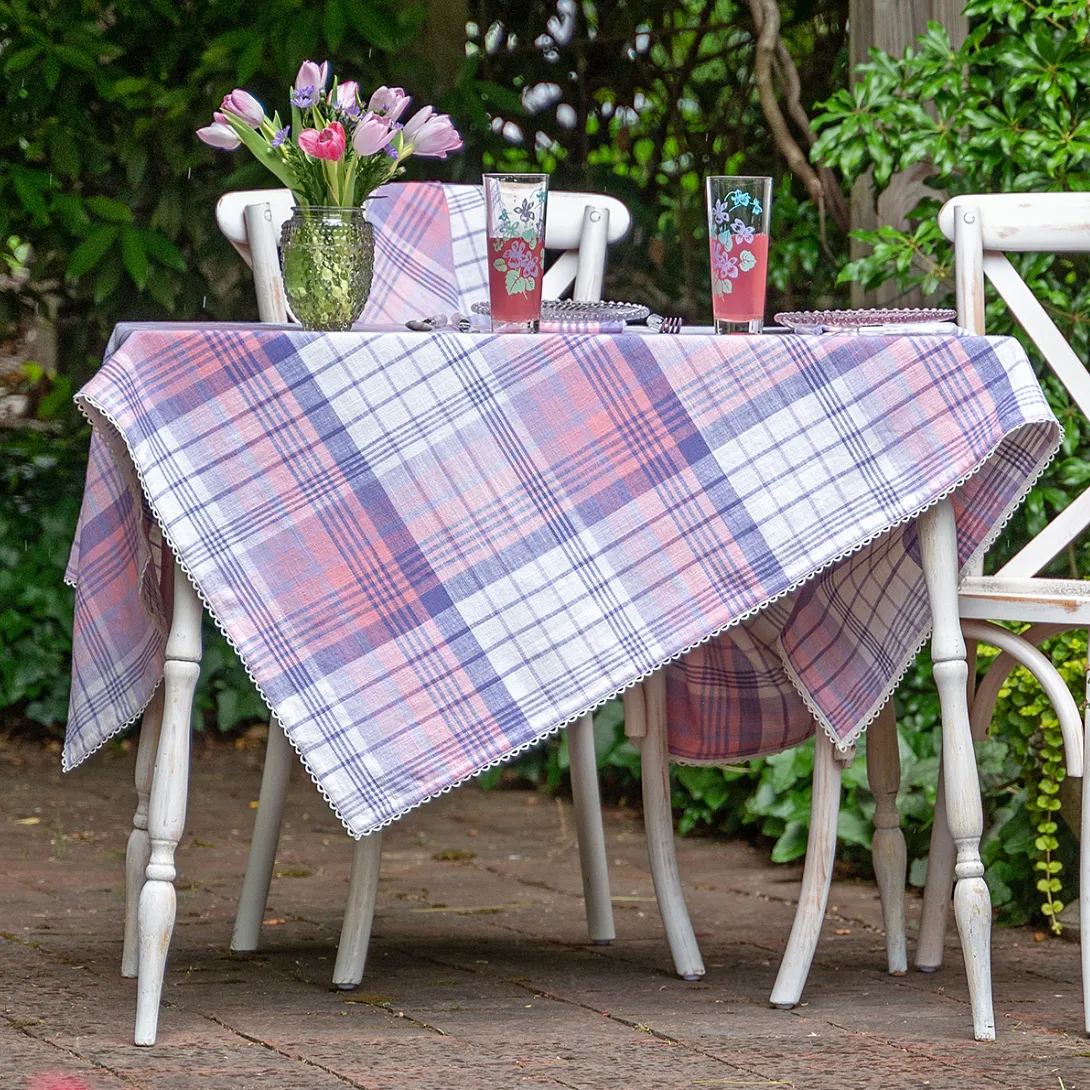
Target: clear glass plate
{"type": "Point", "coordinates": [556, 310]}
{"type": "Point", "coordinates": [853, 319]}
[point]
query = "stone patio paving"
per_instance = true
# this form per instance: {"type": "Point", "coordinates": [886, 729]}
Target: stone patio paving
{"type": "Point", "coordinates": [480, 975]}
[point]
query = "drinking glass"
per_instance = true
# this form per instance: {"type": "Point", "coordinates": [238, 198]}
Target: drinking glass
{"type": "Point", "coordinates": [515, 206]}
{"type": "Point", "coordinates": [738, 210]}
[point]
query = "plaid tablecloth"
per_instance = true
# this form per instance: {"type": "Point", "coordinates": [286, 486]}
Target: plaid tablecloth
{"type": "Point", "coordinates": [432, 550]}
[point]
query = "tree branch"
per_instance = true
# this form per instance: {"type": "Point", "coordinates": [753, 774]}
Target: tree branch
{"type": "Point", "coordinates": [769, 49]}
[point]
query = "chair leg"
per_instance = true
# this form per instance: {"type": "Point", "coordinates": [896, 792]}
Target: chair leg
{"type": "Point", "coordinates": [1084, 868]}
{"type": "Point", "coordinates": [166, 806]}
{"type": "Point", "coordinates": [965, 814]}
{"type": "Point", "coordinates": [259, 866]}
{"type": "Point", "coordinates": [817, 877]}
{"type": "Point", "coordinates": [645, 709]}
{"type": "Point", "coordinates": [139, 848]}
{"type": "Point", "coordinates": [590, 831]}
{"type": "Point", "coordinates": [359, 912]}
{"type": "Point", "coordinates": [888, 846]}
{"type": "Point", "coordinates": [938, 887]}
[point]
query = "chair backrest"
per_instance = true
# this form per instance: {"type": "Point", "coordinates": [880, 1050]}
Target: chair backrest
{"type": "Point", "coordinates": [580, 225]}
{"type": "Point", "coordinates": [984, 229]}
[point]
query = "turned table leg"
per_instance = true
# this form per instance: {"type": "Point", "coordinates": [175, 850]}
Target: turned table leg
{"type": "Point", "coordinates": [888, 846]}
{"type": "Point", "coordinates": [139, 848]}
{"type": "Point", "coordinates": [166, 808]}
{"type": "Point", "coordinates": [965, 815]}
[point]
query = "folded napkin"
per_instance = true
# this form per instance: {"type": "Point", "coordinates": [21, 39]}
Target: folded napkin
{"type": "Point", "coordinates": [582, 325]}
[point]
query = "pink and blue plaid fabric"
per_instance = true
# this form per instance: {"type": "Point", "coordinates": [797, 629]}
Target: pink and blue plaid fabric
{"type": "Point", "coordinates": [429, 251]}
{"type": "Point", "coordinates": [431, 550]}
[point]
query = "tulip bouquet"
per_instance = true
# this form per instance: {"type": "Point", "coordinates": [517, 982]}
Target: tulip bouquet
{"type": "Point", "coordinates": [337, 149]}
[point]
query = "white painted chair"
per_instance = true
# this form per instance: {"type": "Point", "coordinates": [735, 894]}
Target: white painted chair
{"type": "Point", "coordinates": [983, 228]}
{"type": "Point", "coordinates": [582, 226]}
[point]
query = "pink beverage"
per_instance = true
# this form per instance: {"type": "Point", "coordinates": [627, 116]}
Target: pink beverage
{"type": "Point", "coordinates": [744, 299]}
{"type": "Point", "coordinates": [514, 279]}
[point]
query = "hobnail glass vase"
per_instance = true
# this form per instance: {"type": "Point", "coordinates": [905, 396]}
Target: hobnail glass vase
{"type": "Point", "coordinates": [328, 256]}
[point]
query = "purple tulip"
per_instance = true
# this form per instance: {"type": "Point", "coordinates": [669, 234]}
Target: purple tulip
{"type": "Point", "coordinates": [416, 122]}
{"type": "Point", "coordinates": [371, 135]}
{"type": "Point", "coordinates": [219, 135]}
{"type": "Point", "coordinates": [244, 106]}
{"type": "Point", "coordinates": [346, 98]}
{"type": "Point", "coordinates": [389, 102]}
{"type": "Point", "coordinates": [434, 138]}
{"type": "Point", "coordinates": [310, 82]}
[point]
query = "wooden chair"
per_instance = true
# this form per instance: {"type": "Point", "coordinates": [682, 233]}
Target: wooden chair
{"type": "Point", "coordinates": [984, 228]}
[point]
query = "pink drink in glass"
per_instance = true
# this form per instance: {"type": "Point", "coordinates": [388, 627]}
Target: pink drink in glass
{"type": "Point", "coordinates": [519, 258]}
{"type": "Point", "coordinates": [746, 301]}
{"type": "Point", "coordinates": [738, 221]}
{"type": "Point", "coordinates": [515, 207]}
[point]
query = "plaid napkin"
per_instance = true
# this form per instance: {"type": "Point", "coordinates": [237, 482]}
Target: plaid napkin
{"type": "Point", "coordinates": [433, 551]}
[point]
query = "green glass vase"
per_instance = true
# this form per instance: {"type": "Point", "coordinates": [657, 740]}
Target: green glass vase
{"type": "Point", "coordinates": [328, 257]}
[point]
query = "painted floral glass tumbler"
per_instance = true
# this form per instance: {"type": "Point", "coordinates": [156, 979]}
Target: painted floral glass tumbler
{"type": "Point", "coordinates": [738, 213]}
{"type": "Point", "coordinates": [515, 206]}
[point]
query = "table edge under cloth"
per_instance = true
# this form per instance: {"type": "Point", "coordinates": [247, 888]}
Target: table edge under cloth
{"type": "Point", "coordinates": [91, 403]}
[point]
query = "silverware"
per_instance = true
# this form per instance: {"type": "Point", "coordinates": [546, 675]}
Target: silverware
{"type": "Point", "coordinates": [658, 324]}
{"type": "Point", "coordinates": [426, 325]}
{"type": "Point", "coordinates": [440, 321]}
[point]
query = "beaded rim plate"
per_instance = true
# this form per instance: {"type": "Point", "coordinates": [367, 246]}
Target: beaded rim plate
{"type": "Point", "coordinates": [558, 309]}
{"type": "Point", "coordinates": [851, 319]}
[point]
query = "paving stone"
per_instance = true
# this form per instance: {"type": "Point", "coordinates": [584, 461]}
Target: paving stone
{"type": "Point", "coordinates": [480, 973]}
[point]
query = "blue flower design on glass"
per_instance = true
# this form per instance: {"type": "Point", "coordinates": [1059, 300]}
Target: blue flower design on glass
{"type": "Point", "coordinates": [519, 256]}
{"type": "Point", "coordinates": [725, 265]}
{"type": "Point", "coordinates": [756, 207]}
{"type": "Point", "coordinates": [738, 198]}
{"type": "Point", "coordinates": [742, 232]}
{"type": "Point", "coordinates": [527, 211]}
{"type": "Point", "coordinates": [720, 212]}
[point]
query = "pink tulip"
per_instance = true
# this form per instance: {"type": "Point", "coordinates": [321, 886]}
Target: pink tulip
{"type": "Point", "coordinates": [346, 98]}
{"type": "Point", "coordinates": [390, 102]}
{"type": "Point", "coordinates": [243, 105]}
{"type": "Point", "coordinates": [327, 144]}
{"type": "Point", "coordinates": [435, 138]}
{"type": "Point", "coordinates": [372, 134]}
{"type": "Point", "coordinates": [219, 135]}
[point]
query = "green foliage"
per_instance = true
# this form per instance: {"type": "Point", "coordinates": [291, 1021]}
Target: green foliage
{"type": "Point", "coordinates": [40, 480]}
{"type": "Point", "coordinates": [100, 170]}
{"type": "Point", "coordinates": [655, 96]}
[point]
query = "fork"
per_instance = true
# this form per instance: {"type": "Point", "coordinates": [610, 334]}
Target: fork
{"type": "Point", "coordinates": [658, 324]}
